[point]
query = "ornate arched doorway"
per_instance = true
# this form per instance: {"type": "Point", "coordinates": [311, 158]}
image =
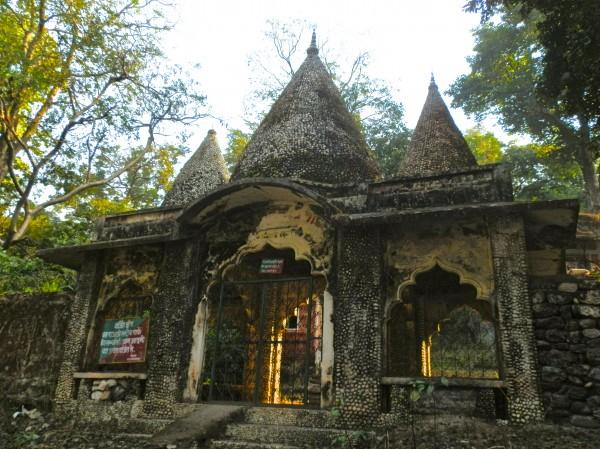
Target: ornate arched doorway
{"type": "Point", "coordinates": [263, 339]}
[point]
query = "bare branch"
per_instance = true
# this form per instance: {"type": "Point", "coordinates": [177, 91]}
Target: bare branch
{"type": "Point", "coordinates": [89, 185]}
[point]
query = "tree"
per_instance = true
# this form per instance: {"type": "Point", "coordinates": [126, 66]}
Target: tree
{"type": "Point", "coordinates": [84, 94]}
{"type": "Point", "coordinates": [486, 147]}
{"type": "Point", "coordinates": [538, 171]}
{"type": "Point", "coordinates": [370, 101]}
{"type": "Point", "coordinates": [236, 144]}
{"type": "Point", "coordinates": [506, 71]}
{"type": "Point", "coordinates": [569, 34]}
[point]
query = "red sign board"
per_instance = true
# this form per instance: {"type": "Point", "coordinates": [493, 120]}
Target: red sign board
{"type": "Point", "coordinates": [124, 341]}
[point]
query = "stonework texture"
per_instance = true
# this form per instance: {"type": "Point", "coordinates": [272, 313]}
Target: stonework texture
{"type": "Point", "coordinates": [308, 134]}
{"type": "Point", "coordinates": [475, 185]}
{"type": "Point", "coordinates": [176, 291]}
{"type": "Point", "coordinates": [203, 172]}
{"type": "Point", "coordinates": [515, 320]}
{"type": "Point", "coordinates": [32, 332]}
{"type": "Point", "coordinates": [77, 329]}
{"type": "Point", "coordinates": [567, 328]}
{"type": "Point", "coordinates": [357, 318]}
{"type": "Point", "coordinates": [436, 145]}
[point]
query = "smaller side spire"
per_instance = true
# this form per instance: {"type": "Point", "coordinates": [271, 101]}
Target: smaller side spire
{"type": "Point", "coordinates": [437, 145]}
{"type": "Point", "coordinates": [203, 172]}
{"type": "Point", "coordinates": [313, 50]}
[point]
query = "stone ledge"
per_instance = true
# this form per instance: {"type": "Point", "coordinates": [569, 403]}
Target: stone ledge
{"type": "Point", "coordinates": [110, 375]}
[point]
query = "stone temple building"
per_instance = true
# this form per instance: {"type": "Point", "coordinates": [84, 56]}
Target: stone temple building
{"type": "Point", "coordinates": [307, 281]}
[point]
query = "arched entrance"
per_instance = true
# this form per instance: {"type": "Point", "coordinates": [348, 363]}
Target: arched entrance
{"type": "Point", "coordinates": [263, 338]}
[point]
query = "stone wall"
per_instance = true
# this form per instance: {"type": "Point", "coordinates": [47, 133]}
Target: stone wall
{"type": "Point", "coordinates": [357, 337]}
{"type": "Point", "coordinates": [567, 328]}
{"type": "Point", "coordinates": [32, 331]}
{"type": "Point", "coordinates": [476, 185]}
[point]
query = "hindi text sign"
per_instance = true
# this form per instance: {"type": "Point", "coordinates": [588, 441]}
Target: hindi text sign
{"type": "Point", "coordinates": [124, 341]}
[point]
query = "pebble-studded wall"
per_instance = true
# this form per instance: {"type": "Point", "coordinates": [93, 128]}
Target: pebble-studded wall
{"type": "Point", "coordinates": [172, 311]}
{"type": "Point", "coordinates": [357, 318]}
{"type": "Point", "coordinates": [87, 285]}
{"type": "Point", "coordinates": [515, 319]}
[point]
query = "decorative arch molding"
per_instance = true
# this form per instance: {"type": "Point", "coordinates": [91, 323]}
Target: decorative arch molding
{"type": "Point", "coordinates": [464, 278]}
{"type": "Point", "coordinates": [256, 247]}
{"type": "Point", "coordinates": [286, 227]}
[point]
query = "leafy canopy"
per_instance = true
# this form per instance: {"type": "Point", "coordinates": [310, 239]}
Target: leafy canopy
{"type": "Point", "coordinates": [89, 109]}
{"type": "Point", "coordinates": [538, 172]}
{"type": "Point", "coordinates": [507, 70]}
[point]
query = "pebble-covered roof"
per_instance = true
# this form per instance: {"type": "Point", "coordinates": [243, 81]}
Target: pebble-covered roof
{"type": "Point", "coordinates": [308, 133]}
{"type": "Point", "coordinates": [203, 172]}
{"type": "Point", "coordinates": [437, 145]}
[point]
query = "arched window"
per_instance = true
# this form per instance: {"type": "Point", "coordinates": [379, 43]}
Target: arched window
{"type": "Point", "coordinates": [441, 329]}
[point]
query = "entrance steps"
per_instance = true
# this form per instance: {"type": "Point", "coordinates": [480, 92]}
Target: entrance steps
{"type": "Point", "coordinates": [287, 428]}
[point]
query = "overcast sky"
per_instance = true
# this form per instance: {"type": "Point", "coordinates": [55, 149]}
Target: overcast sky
{"type": "Point", "coordinates": [406, 40]}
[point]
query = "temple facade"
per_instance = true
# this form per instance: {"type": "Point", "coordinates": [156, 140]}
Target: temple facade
{"type": "Point", "coordinates": [307, 281]}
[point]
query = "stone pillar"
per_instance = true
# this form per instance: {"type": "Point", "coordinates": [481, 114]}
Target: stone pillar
{"type": "Point", "coordinates": [515, 319]}
{"type": "Point", "coordinates": [172, 306]}
{"type": "Point", "coordinates": [357, 325]}
{"type": "Point", "coordinates": [194, 373]}
{"type": "Point", "coordinates": [76, 336]}
{"type": "Point", "coordinates": [327, 355]}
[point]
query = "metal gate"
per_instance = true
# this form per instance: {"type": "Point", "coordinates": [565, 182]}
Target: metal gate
{"type": "Point", "coordinates": [264, 343]}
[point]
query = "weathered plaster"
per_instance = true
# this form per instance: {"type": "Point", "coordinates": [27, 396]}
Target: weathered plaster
{"type": "Point", "coordinates": [462, 248]}
{"type": "Point", "coordinates": [194, 372]}
{"type": "Point", "coordinates": [327, 357]}
{"type": "Point", "coordinates": [294, 226]}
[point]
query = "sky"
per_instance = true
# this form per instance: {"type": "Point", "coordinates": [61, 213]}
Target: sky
{"type": "Point", "coordinates": [406, 42]}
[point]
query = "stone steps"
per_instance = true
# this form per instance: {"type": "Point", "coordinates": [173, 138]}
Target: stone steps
{"type": "Point", "coordinates": [146, 426]}
{"type": "Point", "coordinates": [134, 436]}
{"type": "Point", "coordinates": [286, 435]}
{"type": "Point", "coordinates": [289, 417]}
{"type": "Point", "coordinates": [232, 444]}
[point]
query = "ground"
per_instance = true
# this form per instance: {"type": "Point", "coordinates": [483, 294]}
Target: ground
{"type": "Point", "coordinates": [443, 432]}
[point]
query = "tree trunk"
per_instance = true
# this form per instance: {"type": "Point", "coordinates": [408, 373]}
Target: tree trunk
{"type": "Point", "coordinates": [590, 177]}
{"type": "Point", "coordinates": [4, 155]}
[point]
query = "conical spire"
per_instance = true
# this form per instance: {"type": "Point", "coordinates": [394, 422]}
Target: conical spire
{"type": "Point", "coordinates": [437, 145]}
{"type": "Point", "coordinates": [313, 49]}
{"type": "Point", "coordinates": [308, 133]}
{"type": "Point", "coordinates": [203, 172]}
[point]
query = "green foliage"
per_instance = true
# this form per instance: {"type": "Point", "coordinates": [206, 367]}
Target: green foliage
{"type": "Point", "coordinates": [484, 145]}
{"type": "Point", "coordinates": [236, 144]}
{"type": "Point", "coordinates": [539, 175]}
{"type": "Point", "coordinates": [507, 72]}
{"type": "Point", "coordinates": [26, 439]}
{"type": "Point", "coordinates": [420, 389]}
{"type": "Point", "coordinates": [569, 34]}
{"type": "Point", "coordinates": [84, 96]}
{"type": "Point", "coordinates": [24, 273]}
{"type": "Point", "coordinates": [539, 171]}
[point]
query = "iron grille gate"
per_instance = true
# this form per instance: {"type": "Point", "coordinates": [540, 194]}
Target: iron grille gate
{"type": "Point", "coordinates": [264, 343]}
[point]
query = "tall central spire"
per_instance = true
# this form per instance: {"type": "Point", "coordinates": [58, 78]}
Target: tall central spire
{"type": "Point", "coordinates": [308, 133]}
{"type": "Point", "coordinates": [313, 50]}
